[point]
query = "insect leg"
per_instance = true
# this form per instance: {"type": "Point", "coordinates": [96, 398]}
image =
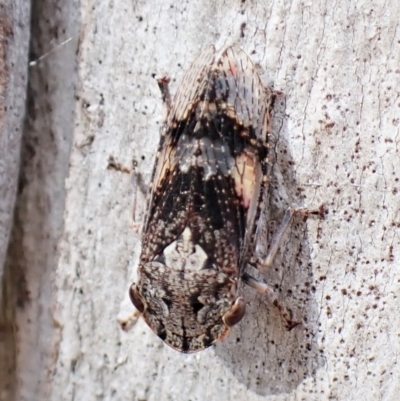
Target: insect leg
{"type": "Point", "coordinates": [272, 297]}
{"type": "Point", "coordinates": [114, 165]}
{"type": "Point", "coordinates": [137, 186]}
{"type": "Point", "coordinates": [163, 84]}
{"type": "Point", "coordinates": [267, 262]}
{"type": "Point", "coordinates": [129, 321]}
{"type": "Point", "coordinates": [280, 233]}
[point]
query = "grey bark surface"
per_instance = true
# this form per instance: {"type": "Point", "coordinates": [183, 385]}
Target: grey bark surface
{"type": "Point", "coordinates": [335, 135]}
{"type": "Point", "coordinates": [27, 318]}
{"type": "Point", "coordinates": [14, 41]}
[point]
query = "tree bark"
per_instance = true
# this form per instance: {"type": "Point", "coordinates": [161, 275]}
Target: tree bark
{"type": "Point", "coordinates": [27, 315]}
{"type": "Point", "coordinates": [14, 41]}
{"type": "Point", "coordinates": [14, 37]}
{"type": "Point", "coordinates": [335, 135]}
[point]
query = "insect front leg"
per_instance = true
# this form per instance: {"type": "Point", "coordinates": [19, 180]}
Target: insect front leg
{"type": "Point", "coordinates": [139, 191]}
{"type": "Point", "coordinates": [126, 323]}
{"type": "Point", "coordinates": [163, 84]}
{"type": "Point", "coordinates": [138, 188]}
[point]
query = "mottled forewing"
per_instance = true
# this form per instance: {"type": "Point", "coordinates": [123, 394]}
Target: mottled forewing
{"type": "Point", "coordinates": [249, 102]}
{"type": "Point", "coordinates": [193, 83]}
{"type": "Point", "coordinates": [192, 86]}
{"type": "Point", "coordinates": [248, 97]}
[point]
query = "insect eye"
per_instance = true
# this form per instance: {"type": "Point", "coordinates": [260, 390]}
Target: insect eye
{"type": "Point", "coordinates": [136, 298]}
{"type": "Point", "coordinates": [235, 314]}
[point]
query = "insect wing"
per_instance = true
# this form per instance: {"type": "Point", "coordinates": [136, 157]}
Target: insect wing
{"type": "Point", "coordinates": [193, 83]}
{"type": "Point", "coordinates": [248, 97]}
{"type": "Point", "coordinates": [192, 86]}
{"type": "Point", "coordinates": [249, 103]}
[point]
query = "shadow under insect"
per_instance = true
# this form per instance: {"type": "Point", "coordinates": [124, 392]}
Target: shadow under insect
{"type": "Point", "coordinates": [260, 351]}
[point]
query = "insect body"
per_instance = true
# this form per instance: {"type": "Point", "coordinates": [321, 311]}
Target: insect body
{"type": "Point", "coordinates": [204, 202]}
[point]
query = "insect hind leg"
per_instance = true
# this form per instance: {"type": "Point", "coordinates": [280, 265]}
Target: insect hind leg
{"type": "Point", "coordinates": [272, 298]}
{"type": "Point", "coordinates": [268, 260]}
